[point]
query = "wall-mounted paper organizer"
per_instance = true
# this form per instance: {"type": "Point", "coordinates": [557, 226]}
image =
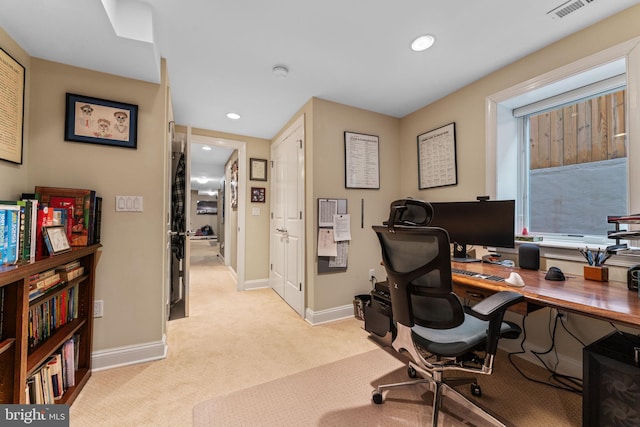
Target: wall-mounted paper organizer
{"type": "Point", "coordinates": [327, 208]}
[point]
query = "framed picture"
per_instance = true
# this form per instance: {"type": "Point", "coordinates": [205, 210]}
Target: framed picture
{"type": "Point", "coordinates": [11, 108]}
{"type": "Point", "coordinates": [257, 194]}
{"type": "Point", "coordinates": [257, 169]}
{"type": "Point", "coordinates": [98, 121]}
{"type": "Point", "coordinates": [437, 165]}
{"type": "Point", "coordinates": [55, 238]}
{"type": "Point", "coordinates": [362, 165]}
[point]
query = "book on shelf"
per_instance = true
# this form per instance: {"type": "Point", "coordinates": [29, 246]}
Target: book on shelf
{"type": "Point", "coordinates": [68, 362]}
{"type": "Point", "coordinates": [43, 219]}
{"type": "Point", "coordinates": [10, 230]}
{"type": "Point", "coordinates": [1, 313]}
{"type": "Point", "coordinates": [97, 220]}
{"type": "Point", "coordinates": [69, 275]}
{"type": "Point", "coordinates": [32, 221]}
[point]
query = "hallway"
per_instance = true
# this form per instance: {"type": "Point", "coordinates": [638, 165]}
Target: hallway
{"type": "Point", "coordinates": [231, 340]}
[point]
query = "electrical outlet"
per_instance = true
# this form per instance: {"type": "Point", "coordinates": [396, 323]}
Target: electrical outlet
{"type": "Point", "coordinates": [98, 308]}
{"type": "Point", "coordinates": [372, 274]}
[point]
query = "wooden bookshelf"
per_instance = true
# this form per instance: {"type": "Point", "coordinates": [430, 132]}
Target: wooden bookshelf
{"type": "Point", "coordinates": [18, 360]}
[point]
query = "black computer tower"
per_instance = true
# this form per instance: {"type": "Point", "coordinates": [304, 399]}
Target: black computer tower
{"type": "Point", "coordinates": [611, 393]}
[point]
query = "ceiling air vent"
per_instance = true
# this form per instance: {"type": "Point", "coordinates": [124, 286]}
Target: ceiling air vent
{"type": "Point", "coordinates": [568, 8]}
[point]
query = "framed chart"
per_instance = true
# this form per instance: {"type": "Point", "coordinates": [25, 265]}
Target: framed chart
{"type": "Point", "coordinates": [362, 164]}
{"type": "Point", "coordinates": [11, 108]}
{"type": "Point", "coordinates": [437, 165]}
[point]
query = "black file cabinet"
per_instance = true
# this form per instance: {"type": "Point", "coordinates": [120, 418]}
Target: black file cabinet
{"type": "Point", "coordinates": [611, 375]}
{"type": "Point", "coordinates": [378, 318]}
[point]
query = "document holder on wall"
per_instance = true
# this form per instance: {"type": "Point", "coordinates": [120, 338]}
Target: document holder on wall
{"type": "Point", "coordinates": [326, 209]}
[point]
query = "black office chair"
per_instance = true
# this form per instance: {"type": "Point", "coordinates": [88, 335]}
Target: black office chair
{"type": "Point", "coordinates": [435, 329]}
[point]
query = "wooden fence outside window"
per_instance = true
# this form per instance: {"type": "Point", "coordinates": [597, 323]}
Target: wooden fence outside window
{"type": "Point", "coordinates": [588, 131]}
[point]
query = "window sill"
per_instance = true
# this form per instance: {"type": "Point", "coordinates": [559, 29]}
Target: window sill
{"type": "Point", "coordinates": [568, 251]}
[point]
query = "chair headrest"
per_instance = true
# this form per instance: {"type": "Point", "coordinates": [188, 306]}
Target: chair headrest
{"type": "Point", "coordinates": [410, 212]}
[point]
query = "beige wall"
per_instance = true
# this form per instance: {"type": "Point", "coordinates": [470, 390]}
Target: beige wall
{"type": "Point", "coordinates": [13, 177]}
{"type": "Point", "coordinates": [130, 272]}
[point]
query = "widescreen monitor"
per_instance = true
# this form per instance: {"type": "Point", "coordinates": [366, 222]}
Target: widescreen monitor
{"type": "Point", "coordinates": [483, 223]}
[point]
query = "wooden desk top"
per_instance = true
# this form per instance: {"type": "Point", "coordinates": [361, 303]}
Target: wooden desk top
{"type": "Point", "coordinates": [610, 301]}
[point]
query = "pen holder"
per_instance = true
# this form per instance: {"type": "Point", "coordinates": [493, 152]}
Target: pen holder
{"type": "Point", "coordinates": [599, 274]}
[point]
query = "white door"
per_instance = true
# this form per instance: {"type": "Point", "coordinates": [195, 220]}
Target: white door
{"type": "Point", "coordinates": [286, 275]}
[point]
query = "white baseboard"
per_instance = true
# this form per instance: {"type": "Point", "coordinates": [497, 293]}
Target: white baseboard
{"type": "Point", "coordinates": [256, 284]}
{"type": "Point", "coordinates": [129, 355]}
{"type": "Point", "coordinates": [328, 315]}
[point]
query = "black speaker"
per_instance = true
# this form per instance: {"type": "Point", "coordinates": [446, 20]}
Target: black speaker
{"type": "Point", "coordinates": [529, 256]}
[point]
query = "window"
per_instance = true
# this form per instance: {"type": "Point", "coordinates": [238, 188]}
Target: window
{"type": "Point", "coordinates": [560, 144]}
{"type": "Point", "coordinates": [575, 158]}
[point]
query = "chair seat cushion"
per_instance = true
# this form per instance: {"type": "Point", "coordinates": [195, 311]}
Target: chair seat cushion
{"type": "Point", "coordinates": [471, 334]}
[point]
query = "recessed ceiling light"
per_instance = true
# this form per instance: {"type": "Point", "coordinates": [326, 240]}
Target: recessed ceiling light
{"type": "Point", "coordinates": [422, 43]}
{"type": "Point", "coordinates": [233, 116]}
{"type": "Point", "coordinates": [206, 148]}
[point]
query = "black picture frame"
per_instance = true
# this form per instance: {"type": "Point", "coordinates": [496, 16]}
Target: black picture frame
{"type": "Point", "coordinates": [100, 121]}
{"type": "Point", "coordinates": [437, 158]}
{"type": "Point", "coordinates": [55, 238]}
{"type": "Point", "coordinates": [257, 169]}
{"type": "Point", "coordinates": [362, 161]}
{"type": "Point", "coordinates": [258, 195]}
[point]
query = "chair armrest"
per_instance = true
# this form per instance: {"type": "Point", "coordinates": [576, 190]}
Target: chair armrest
{"type": "Point", "coordinates": [497, 303]}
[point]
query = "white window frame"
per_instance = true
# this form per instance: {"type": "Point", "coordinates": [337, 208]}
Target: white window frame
{"type": "Point", "coordinates": [500, 124]}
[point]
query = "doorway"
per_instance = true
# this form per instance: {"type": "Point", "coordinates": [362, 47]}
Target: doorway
{"type": "Point", "coordinates": [232, 247]}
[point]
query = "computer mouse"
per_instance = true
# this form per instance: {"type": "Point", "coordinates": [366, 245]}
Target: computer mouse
{"type": "Point", "coordinates": [514, 279]}
{"type": "Point", "coordinates": [554, 273]}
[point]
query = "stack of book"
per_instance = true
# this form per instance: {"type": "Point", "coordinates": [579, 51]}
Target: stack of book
{"type": "Point", "coordinates": [17, 230]}
{"type": "Point", "coordinates": [42, 282]}
{"type": "Point", "coordinates": [70, 271]}
{"type": "Point", "coordinates": [50, 381]}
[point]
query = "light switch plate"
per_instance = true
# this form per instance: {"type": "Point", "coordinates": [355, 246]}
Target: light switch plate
{"type": "Point", "coordinates": [129, 204]}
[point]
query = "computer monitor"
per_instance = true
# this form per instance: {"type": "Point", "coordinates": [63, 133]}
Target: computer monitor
{"type": "Point", "coordinates": [483, 223]}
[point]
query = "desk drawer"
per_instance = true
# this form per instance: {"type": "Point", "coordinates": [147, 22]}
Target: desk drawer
{"type": "Point", "coordinates": [470, 296]}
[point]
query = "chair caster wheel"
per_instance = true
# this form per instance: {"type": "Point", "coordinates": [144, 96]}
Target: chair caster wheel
{"type": "Point", "coordinates": [476, 390]}
{"type": "Point", "coordinates": [376, 396]}
{"type": "Point", "coordinates": [411, 371]}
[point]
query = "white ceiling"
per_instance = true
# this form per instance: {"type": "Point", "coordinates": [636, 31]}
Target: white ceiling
{"type": "Point", "coordinates": [220, 53]}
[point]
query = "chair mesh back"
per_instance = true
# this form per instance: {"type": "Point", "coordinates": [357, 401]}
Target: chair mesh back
{"type": "Point", "coordinates": [418, 265]}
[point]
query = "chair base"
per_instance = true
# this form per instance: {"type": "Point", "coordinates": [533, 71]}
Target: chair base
{"type": "Point", "coordinates": [432, 375]}
{"type": "Point", "coordinates": [440, 389]}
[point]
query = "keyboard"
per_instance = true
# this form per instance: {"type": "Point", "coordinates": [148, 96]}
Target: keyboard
{"type": "Point", "coordinates": [477, 275]}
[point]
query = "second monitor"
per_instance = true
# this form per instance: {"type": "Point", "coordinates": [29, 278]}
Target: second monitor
{"type": "Point", "coordinates": [483, 223]}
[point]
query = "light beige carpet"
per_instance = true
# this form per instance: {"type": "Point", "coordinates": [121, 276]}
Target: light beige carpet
{"type": "Point", "coordinates": [339, 394]}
